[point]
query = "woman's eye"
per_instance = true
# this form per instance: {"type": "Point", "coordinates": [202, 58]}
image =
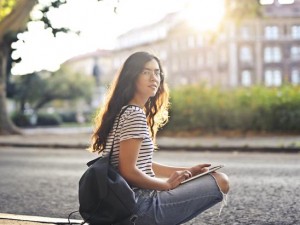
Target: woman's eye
{"type": "Point", "coordinates": [150, 73]}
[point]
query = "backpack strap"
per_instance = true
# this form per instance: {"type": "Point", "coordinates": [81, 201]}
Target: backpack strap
{"type": "Point", "coordinates": [119, 117]}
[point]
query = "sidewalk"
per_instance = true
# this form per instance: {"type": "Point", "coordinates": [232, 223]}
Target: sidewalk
{"type": "Point", "coordinates": [79, 138]}
{"type": "Point", "coordinates": [12, 219]}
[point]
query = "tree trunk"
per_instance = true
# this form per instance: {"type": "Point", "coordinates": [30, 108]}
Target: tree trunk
{"type": "Point", "coordinates": [14, 22]}
{"type": "Point", "coordinates": [6, 125]}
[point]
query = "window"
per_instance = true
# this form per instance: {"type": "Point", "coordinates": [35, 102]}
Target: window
{"type": "Point", "coordinates": [191, 42]}
{"type": "Point", "coordinates": [272, 54]}
{"type": "Point", "coordinates": [183, 64]}
{"type": "Point", "coordinates": [296, 32]}
{"type": "Point", "coordinates": [223, 55]}
{"type": "Point", "coordinates": [182, 44]}
{"type": "Point", "coordinates": [245, 54]}
{"type": "Point", "coordinates": [286, 2]}
{"type": "Point", "coordinates": [209, 59]}
{"type": "Point", "coordinates": [266, 2]}
{"type": "Point", "coordinates": [200, 60]}
{"type": "Point", "coordinates": [267, 54]}
{"type": "Point", "coordinates": [273, 78]}
{"type": "Point", "coordinates": [245, 33]}
{"type": "Point", "coordinates": [295, 53]}
{"type": "Point", "coordinates": [191, 62]}
{"type": "Point", "coordinates": [295, 77]}
{"type": "Point", "coordinates": [175, 65]}
{"type": "Point", "coordinates": [200, 41]}
{"type": "Point", "coordinates": [183, 80]}
{"type": "Point", "coordinates": [246, 78]}
{"type": "Point", "coordinates": [174, 45]}
{"type": "Point", "coordinates": [271, 32]}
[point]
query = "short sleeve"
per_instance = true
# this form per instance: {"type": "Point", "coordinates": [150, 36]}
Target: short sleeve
{"type": "Point", "coordinates": [134, 125]}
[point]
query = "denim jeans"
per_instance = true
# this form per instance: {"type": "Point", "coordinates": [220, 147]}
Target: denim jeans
{"type": "Point", "coordinates": [179, 205]}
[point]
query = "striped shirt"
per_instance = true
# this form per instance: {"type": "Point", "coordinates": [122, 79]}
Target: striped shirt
{"type": "Point", "coordinates": [133, 124]}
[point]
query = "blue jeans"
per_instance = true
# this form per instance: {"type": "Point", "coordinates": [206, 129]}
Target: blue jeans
{"type": "Point", "coordinates": [179, 205]}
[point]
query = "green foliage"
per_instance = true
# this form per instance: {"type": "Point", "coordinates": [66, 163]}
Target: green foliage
{"type": "Point", "coordinates": [39, 90]}
{"type": "Point", "coordinates": [6, 7]}
{"type": "Point", "coordinates": [68, 117]}
{"type": "Point", "coordinates": [28, 88]}
{"type": "Point", "coordinates": [21, 120]}
{"type": "Point", "coordinates": [238, 10]}
{"type": "Point", "coordinates": [46, 119]}
{"type": "Point", "coordinates": [253, 109]}
{"type": "Point", "coordinates": [43, 119]}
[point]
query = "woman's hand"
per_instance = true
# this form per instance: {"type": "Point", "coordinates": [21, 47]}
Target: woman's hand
{"type": "Point", "coordinates": [176, 178]}
{"type": "Point", "coordinates": [201, 168]}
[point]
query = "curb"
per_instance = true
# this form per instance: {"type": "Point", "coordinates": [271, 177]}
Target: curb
{"type": "Point", "coordinates": [246, 148]}
{"type": "Point", "coordinates": [51, 145]}
{"type": "Point", "coordinates": [233, 149]}
{"type": "Point", "coordinates": [38, 219]}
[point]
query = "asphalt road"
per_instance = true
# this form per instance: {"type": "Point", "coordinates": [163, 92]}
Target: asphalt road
{"type": "Point", "coordinates": [264, 187]}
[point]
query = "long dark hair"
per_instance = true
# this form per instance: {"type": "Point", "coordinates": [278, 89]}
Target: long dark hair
{"type": "Point", "coordinates": [122, 91]}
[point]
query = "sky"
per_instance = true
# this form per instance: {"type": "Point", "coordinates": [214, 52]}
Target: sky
{"type": "Point", "coordinates": [99, 27]}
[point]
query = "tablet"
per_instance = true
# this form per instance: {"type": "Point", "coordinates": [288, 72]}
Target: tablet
{"type": "Point", "coordinates": [210, 169]}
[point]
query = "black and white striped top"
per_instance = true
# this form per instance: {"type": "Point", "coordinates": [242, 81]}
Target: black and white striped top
{"type": "Point", "coordinates": [133, 124]}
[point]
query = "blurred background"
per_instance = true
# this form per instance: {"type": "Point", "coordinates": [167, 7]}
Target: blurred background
{"type": "Point", "coordinates": [232, 66]}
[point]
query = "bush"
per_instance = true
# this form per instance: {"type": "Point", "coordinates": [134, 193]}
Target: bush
{"type": "Point", "coordinates": [243, 109]}
{"type": "Point", "coordinates": [21, 120]}
{"type": "Point", "coordinates": [48, 119]}
{"type": "Point", "coordinates": [68, 117]}
{"type": "Point", "coordinates": [89, 116]}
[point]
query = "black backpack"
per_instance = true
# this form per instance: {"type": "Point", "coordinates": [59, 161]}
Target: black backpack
{"type": "Point", "coordinates": [105, 198]}
{"type": "Point", "coordinates": [104, 195]}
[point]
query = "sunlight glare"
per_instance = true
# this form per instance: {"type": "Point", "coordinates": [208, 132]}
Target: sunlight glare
{"type": "Point", "coordinates": [204, 15]}
{"type": "Point", "coordinates": [266, 2]}
{"type": "Point", "coordinates": [97, 22]}
{"type": "Point", "coordinates": [286, 2]}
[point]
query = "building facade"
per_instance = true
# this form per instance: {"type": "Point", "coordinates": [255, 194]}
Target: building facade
{"type": "Point", "coordinates": [259, 51]}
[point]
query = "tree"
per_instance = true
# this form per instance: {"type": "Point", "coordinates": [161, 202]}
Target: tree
{"type": "Point", "coordinates": [14, 15]}
{"type": "Point", "coordinates": [13, 18]}
{"type": "Point", "coordinates": [238, 10]}
{"type": "Point", "coordinates": [38, 90]}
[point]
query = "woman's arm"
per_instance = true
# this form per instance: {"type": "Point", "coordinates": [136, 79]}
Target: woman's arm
{"type": "Point", "coordinates": [166, 171]}
{"type": "Point", "coordinates": [129, 150]}
{"type": "Point", "coordinates": [161, 170]}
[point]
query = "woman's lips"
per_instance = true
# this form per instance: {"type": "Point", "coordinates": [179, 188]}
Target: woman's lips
{"type": "Point", "coordinates": [153, 86]}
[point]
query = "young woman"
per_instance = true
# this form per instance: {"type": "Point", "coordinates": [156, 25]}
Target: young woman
{"type": "Point", "coordinates": [141, 85]}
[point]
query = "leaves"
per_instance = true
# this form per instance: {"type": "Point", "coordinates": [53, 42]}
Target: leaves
{"type": "Point", "coordinates": [47, 22]}
{"type": "Point", "coordinates": [38, 90]}
{"type": "Point", "coordinates": [257, 109]}
{"type": "Point", "coordinates": [240, 10]}
{"type": "Point", "coordinates": [6, 6]}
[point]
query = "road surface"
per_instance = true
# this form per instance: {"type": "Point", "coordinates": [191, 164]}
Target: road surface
{"type": "Point", "coordinates": [264, 186]}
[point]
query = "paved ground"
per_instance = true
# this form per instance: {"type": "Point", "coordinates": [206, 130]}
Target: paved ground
{"type": "Point", "coordinates": [264, 186]}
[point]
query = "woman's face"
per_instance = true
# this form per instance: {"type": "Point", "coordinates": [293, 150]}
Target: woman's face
{"type": "Point", "coordinates": [148, 81]}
